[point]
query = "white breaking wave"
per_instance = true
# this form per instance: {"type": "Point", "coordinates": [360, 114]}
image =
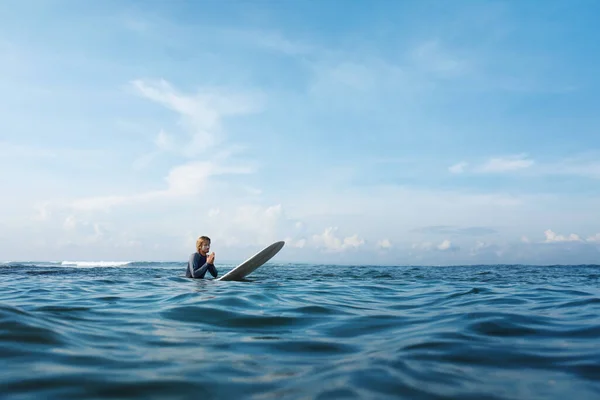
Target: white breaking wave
{"type": "Point", "coordinates": [91, 264]}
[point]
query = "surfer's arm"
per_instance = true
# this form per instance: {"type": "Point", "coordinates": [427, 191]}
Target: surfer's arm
{"type": "Point", "coordinates": [213, 270]}
{"type": "Point", "coordinates": [199, 272]}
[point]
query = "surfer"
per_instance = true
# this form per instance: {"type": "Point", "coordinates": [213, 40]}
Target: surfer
{"type": "Point", "coordinates": [200, 261]}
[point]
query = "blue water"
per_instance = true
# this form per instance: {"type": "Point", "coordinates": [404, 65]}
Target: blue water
{"type": "Point", "coordinates": [300, 332]}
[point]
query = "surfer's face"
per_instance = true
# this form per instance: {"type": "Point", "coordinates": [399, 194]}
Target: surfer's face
{"type": "Point", "coordinates": [205, 247]}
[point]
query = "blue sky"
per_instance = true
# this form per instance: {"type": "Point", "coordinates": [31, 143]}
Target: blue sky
{"type": "Point", "coordinates": [423, 132]}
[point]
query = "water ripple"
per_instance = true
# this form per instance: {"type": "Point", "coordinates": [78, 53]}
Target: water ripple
{"type": "Point", "coordinates": [144, 330]}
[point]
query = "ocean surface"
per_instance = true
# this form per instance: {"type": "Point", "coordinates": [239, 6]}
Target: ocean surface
{"type": "Point", "coordinates": [142, 330]}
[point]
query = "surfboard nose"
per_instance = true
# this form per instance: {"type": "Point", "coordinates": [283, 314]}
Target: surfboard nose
{"type": "Point", "coordinates": [253, 262]}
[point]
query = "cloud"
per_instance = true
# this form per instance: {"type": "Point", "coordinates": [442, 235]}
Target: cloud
{"type": "Point", "coordinates": [331, 242]}
{"type": "Point", "coordinates": [384, 244]}
{"type": "Point", "coordinates": [506, 164]}
{"type": "Point", "coordinates": [479, 247]}
{"type": "Point", "coordinates": [254, 225]}
{"type": "Point", "coordinates": [42, 211]}
{"type": "Point", "coordinates": [164, 141]}
{"type": "Point", "coordinates": [449, 230]}
{"type": "Point", "coordinates": [200, 114]}
{"type": "Point", "coordinates": [25, 152]}
{"type": "Point", "coordinates": [341, 72]}
{"type": "Point", "coordinates": [582, 165]}
{"type": "Point", "coordinates": [182, 181]}
{"type": "Point", "coordinates": [458, 168]}
{"type": "Point", "coordinates": [201, 117]}
{"type": "Point", "coordinates": [444, 245]}
{"type": "Point", "coordinates": [191, 178]}
{"type": "Point", "coordinates": [365, 82]}
{"type": "Point", "coordinates": [83, 232]}
{"type": "Point", "coordinates": [594, 238]}
{"type": "Point", "coordinates": [552, 237]}
{"type": "Point", "coordinates": [300, 243]}
{"type": "Point", "coordinates": [495, 165]}
{"type": "Point", "coordinates": [70, 223]}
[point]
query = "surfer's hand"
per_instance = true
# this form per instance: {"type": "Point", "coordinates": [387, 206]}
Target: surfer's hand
{"type": "Point", "coordinates": [211, 258]}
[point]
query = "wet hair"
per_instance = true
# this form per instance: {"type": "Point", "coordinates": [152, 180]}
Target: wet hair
{"type": "Point", "coordinates": [200, 241]}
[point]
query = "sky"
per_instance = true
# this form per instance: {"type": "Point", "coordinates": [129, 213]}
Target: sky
{"type": "Point", "coordinates": [391, 133]}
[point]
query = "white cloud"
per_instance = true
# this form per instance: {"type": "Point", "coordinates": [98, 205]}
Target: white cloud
{"type": "Point", "coordinates": [200, 114]}
{"type": "Point", "coordinates": [331, 242]}
{"type": "Point", "coordinates": [445, 245]}
{"type": "Point", "coordinates": [182, 181]}
{"type": "Point", "coordinates": [496, 165]}
{"type": "Point", "coordinates": [41, 211]}
{"type": "Point", "coordinates": [340, 73]}
{"type": "Point", "coordinates": [191, 178]}
{"type": "Point", "coordinates": [479, 245]}
{"type": "Point", "coordinates": [506, 164]}
{"type": "Point", "coordinates": [594, 238]}
{"type": "Point", "coordinates": [384, 244]}
{"type": "Point", "coordinates": [552, 237]}
{"type": "Point", "coordinates": [70, 222]}
{"type": "Point", "coordinates": [106, 202]}
{"type": "Point", "coordinates": [300, 243]}
{"type": "Point", "coordinates": [582, 166]}
{"type": "Point", "coordinates": [82, 231]}
{"type": "Point", "coordinates": [250, 225]}
{"type": "Point", "coordinates": [164, 141]}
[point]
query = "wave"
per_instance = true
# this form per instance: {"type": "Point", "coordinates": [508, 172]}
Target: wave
{"type": "Point", "coordinates": [91, 264]}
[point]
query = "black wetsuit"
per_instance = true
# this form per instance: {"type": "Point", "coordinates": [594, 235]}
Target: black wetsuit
{"type": "Point", "coordinates": [197, 267]}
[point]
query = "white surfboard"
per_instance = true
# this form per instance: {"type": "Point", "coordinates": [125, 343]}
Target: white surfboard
{"type": "Point", "coordinates": [245, 268]}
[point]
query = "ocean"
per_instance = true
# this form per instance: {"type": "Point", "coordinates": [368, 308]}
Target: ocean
{"type": "Point", "coordinates": [142, 330]}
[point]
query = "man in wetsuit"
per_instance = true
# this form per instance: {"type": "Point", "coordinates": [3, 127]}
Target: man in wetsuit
{"type": "Point", "coordinates": [200, 261]}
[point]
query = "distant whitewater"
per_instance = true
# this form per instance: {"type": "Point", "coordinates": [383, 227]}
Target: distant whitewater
{"type": "Point", "coordinates": [88, 264]}
{"type": "Point", "coordinates": [103, 329]}
{"type": "Point", "coordinates": [94, 264]}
